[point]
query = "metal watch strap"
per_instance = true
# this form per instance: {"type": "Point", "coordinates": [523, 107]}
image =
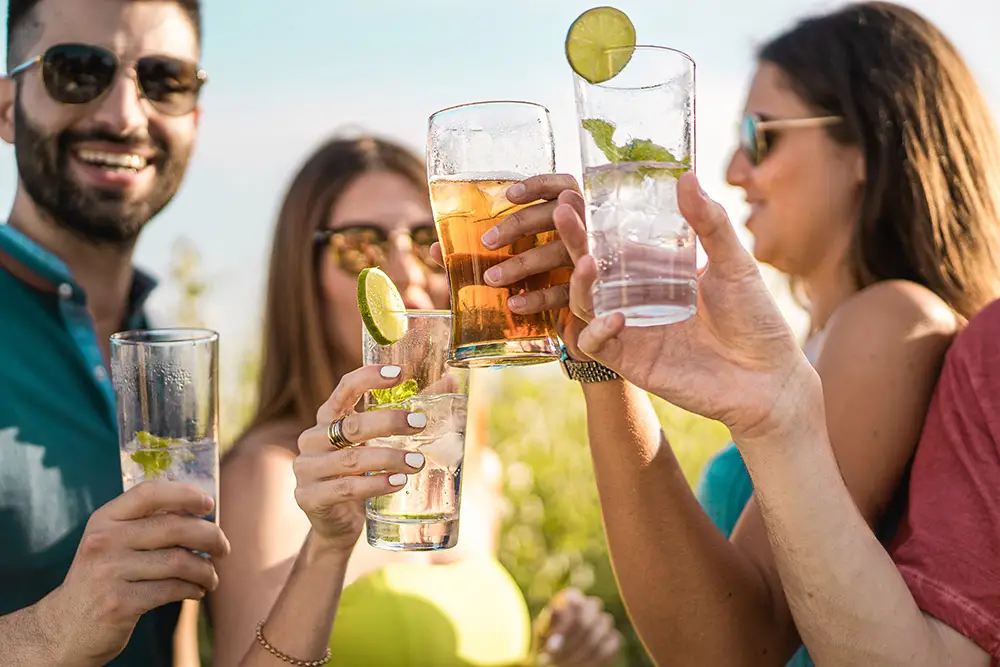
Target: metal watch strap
{"type": "Point", "coordinates": [586, 371]}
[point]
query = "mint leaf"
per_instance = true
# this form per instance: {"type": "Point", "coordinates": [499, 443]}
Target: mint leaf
{"type": "Point", "coordinates": [396, 394]}
{"type": "Point", "coordinates": [636, 150]}
{"type": "Point", "coordinates": [150, 441]}
{"type": "Point", "coordinates": [602, 131]}
{"type": "Point", "coordinates": [154, 463]}
{"type": "Point", "coordinates": [644, 150]}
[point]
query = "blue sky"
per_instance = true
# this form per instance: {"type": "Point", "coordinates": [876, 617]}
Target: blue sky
{"type": "Point", "coordinates": [284, 75]}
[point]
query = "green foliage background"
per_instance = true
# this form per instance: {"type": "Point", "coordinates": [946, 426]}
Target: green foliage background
{"type": "Point", "coordinates": [553, 535]}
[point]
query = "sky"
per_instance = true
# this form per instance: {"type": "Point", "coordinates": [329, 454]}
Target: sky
{"type": "Point", "coordinates": [286, 75]}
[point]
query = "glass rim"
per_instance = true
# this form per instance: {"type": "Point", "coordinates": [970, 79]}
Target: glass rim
{"type": "Point", "coordinates": [170, 336]}
{"type": "Point", "coordinates": [653, 48]}
{"type": "Point", "coordinates": [485, 103]}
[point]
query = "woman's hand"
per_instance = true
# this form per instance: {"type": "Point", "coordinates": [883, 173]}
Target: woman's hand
{"type": "Point", "coordinates": [580, 633]}
{"type": "Point", "coordinates": [332, 483]}
{"type": "Point", "coordinates": [736, 360]}
{"type": "Point", "coordinates": [549, 191]}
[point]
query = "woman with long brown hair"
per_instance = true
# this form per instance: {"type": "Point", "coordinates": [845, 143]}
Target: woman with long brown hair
{"type": "Point", "coordinates": [358, 203]}
{"type": "Point", "coordinates": [871, 165]}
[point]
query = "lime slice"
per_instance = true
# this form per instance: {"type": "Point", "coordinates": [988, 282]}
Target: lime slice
{"type": "Point", "coordinates": [600, 43]}
{"type": "Point", "coordinates": [381, 305]}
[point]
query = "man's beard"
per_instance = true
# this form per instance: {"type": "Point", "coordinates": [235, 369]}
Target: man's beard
{"type": "Point", "coordinates": [100, 216]}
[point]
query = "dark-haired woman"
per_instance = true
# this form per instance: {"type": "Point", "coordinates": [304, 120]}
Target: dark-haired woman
{"type": "Point", "coordinates": [872, 168]}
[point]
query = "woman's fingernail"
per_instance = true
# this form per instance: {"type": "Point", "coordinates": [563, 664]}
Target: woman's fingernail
{"type": "Point", "coordinates": [416, 420]}
{"type": "Point", "coordinates": [493, 275]}
{"type": "Point", "coordinates": [554, 644]}
{"type": "Point", "coordinates": [390, 372]}
{"type": "Point", "coordinates": [516, 190]}
{"type": "Point", "coordinates": [414, 459]}
{"type": "Point", "coordinates": [399, 479]}
{"type": "Point", "coordinates": [517, 302]}
{"type": "Point", "coordinates": [491, 237]}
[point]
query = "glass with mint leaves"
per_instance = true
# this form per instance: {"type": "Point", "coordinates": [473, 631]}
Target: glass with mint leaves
{"type": "Point", "coordinates": [635, 107]}
{"type": "Point", "coordinates": [423, 516]}
{"type": "Point", "coordinates": [166, 384]}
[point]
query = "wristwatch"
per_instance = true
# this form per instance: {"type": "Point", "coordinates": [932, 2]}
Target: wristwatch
{"type": "Point", "coordinates": [585, 371]}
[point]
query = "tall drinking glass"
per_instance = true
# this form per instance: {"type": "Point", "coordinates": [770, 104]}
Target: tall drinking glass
{"type": "Point", "coordinates": [636, 139]}
{"type": "Point", "coordinates": [166, 384]}
{"type": "Point", "coordinates": [423, 516]}
{"type": "Point", "coordinates": [474, 153]}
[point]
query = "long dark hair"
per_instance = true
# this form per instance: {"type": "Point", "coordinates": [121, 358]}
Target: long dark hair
{"type": "Point", "coordinates": [301, 365]}
{"type": "Point", "coordinates": [931, 204]}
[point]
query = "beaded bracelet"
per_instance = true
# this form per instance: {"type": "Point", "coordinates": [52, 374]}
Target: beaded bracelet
{"type": "Point", "coordinates": [286, 658]}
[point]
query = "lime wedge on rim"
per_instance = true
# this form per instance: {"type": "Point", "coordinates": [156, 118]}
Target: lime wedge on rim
{"type": "Point", "coordinates": [381, 305]}
{"type": "Point", "coordinates": [600, 43]}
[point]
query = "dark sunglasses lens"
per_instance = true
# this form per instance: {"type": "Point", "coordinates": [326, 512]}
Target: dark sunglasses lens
{"type": "Point", "coordinates": [423, 238]}
{"type": "Point", "coordinates": [359, 248]}
{"type": "Point", "coordinates": [78, 73]}
{"type": "Point", "coordinates": [171, 85]}
{"type": "Point", "coordinates": [748, 138]}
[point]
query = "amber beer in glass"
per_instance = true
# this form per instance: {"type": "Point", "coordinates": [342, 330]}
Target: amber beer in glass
{"type": "Point", "coordinates": [475, 152]}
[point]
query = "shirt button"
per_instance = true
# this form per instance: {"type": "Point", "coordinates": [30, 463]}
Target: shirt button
{"type": "Point", "coordinates": [65, 291]}
{"type": "Point", "coordinates": [100, 373]}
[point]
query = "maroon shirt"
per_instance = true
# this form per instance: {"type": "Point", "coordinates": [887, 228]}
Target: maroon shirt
{"type": "Point", "coordinates": [948, 545]}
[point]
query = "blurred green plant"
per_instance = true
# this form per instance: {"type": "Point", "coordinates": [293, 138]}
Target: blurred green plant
{"type": "Point", "coordinates": [552, 532]}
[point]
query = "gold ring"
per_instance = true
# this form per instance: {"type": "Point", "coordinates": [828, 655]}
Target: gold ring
{"type": "Point", "coordinates": [335, 433]}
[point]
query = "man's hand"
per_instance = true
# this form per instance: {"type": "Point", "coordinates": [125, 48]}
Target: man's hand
{"type": "Point", "coordinates": [136, 554]}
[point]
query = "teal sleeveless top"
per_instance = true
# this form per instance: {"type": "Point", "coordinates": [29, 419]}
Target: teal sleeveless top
{"type": "Point", "coordinates": [725, 489]}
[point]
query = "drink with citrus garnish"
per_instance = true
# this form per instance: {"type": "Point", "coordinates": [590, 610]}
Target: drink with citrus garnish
{"type": "Point", "coordinates": [475, 152]}
{"type": "Point", "coordinates": [423, 515]}
{"type": "Point", "coordinates": [636, 111]}
{"type": "Point", "coordinates": [465, 208]}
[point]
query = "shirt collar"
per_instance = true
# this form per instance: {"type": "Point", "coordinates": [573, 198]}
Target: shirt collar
{"type": "Point", "coordinates": [35, 266]}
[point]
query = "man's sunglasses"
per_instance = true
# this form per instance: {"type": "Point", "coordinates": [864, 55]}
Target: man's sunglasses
{"type": "Point", "coordinates": [754, 132]}
{"type": "Point", "coordinates": [82, 73]}
{"type": "Point", "coordinates": [362, 246]}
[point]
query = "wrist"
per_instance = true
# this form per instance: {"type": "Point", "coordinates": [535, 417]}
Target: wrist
{"type": "Point", "coordinates": [797, 418]}
{"type": "Point", "coordinates": [44, 618]}
{"type": "Point", "coordinates": [318, 550]}
{"type": "Point", "coordinates": [585, 371]}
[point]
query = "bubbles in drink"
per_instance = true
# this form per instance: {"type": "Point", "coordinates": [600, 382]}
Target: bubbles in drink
{"type": "Point", "coordinates": [645, 250]}
{"type": "Point", "coordinates": [465, 207]}
{"type": "Point", "coordinates": [432, 495]}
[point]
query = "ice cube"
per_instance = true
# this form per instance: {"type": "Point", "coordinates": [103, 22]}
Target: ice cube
{"type": "Point", "coordinates": [445, 451]}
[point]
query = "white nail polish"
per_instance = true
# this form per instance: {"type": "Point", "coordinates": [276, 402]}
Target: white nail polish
{"type": "Point", "coordinates": [414, 459]}
{"type": "Point", "coordinates": [399, 479]}
{"type": "Point", "coordinates": [390, 372]}
{"type": "Point", "coordinates": [416, 420]}
{"type": "Point", "coordinates": [554, 644]}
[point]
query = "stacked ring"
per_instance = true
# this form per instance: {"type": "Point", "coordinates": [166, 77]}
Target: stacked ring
{"type": "Point", "coordinates": [335, 433]}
